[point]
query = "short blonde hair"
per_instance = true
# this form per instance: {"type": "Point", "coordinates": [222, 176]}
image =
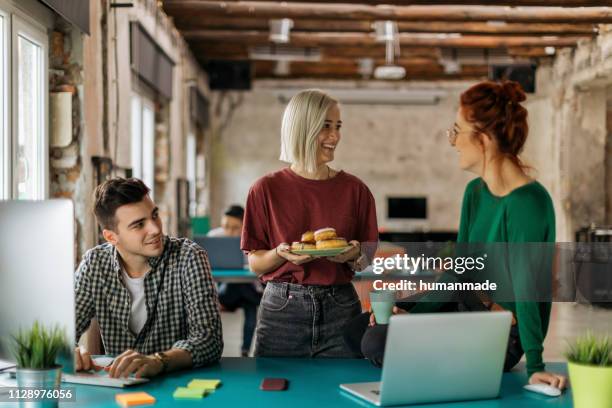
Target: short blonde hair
{"type": "Point", "coordinates": [303, 119]}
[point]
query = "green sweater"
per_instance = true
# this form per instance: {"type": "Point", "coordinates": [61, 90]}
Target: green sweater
{"type": "Point", "coordinates": [524, 215]}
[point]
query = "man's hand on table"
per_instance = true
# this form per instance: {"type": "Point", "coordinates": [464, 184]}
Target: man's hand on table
{"type": "Point", "coordinates": [83, 361]}
{"type": "Point", "coordinates": [132, 362]}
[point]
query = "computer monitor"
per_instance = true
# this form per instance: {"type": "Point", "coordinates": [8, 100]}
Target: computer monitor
{"type": "Point", "coordinates": [37, 258]}
{"type": "Point", "coordinates": [223, 252]}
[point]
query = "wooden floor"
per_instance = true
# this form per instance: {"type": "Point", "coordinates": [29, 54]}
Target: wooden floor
{"type": "Point", "coordinates": [568, 320]}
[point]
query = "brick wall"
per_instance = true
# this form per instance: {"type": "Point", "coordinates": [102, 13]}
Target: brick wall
{"type": "Point", "coordinates": [66, 75]}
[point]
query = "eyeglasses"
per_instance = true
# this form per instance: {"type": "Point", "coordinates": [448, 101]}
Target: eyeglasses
{"type": "Point", "coordinates": [452, 135]}
{"type": "Point", "coordinates": [454, 132]}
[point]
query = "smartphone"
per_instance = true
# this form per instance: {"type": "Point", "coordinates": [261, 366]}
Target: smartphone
{"type": "Point", "coordinates": [274, 384]}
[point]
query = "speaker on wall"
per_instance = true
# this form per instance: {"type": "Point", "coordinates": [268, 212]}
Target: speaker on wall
{"type": "Point", "coordinates": [524, 74]}
{"type": "Point", "coordinates": [228, 75]}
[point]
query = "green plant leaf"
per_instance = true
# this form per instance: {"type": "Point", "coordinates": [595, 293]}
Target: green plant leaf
{"type": "Point", "coordinates": [590, 350]}
{"type": "Point", "coordinates": [38, 347]}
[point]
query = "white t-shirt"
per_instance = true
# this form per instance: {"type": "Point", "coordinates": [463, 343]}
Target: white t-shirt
{"type": "Point", "coordinates": [138, 313]}
{"type": "Point", "coordinates": [216, 232]}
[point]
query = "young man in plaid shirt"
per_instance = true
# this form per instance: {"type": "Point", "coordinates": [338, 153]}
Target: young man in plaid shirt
{"type": "Point", "coordinates": [153, 295]}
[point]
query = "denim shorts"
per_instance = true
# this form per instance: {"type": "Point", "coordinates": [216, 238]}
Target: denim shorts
{"type": "Point", "coordinates": [305, 321]}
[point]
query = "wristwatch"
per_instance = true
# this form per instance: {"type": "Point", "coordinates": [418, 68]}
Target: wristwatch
{"type": "Point", "coordinates": [163, 358]}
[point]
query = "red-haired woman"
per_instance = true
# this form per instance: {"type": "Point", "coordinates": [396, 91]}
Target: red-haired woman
{"type": "Point", "coordinates": [502, 205]}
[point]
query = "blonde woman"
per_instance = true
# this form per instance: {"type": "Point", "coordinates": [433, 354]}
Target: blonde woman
{"type": "Point", "coordinates": [307, 301]}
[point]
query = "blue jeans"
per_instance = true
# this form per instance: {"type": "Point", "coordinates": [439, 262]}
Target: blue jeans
{"type": "Point", "coordinates": [305, 321]}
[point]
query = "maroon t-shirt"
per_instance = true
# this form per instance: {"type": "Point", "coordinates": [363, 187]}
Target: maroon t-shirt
{"type": "Point", "coordinates": [282, 206]}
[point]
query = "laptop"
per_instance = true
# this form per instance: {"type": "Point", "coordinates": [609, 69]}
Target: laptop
{"type": "Point", "coordinates": [101, 380]}
{"type": "Point", "coordinates": [440, 357]}
{"type": "Point", "coordinates": [101, 377]}
{"type": "Point", "coordinates": [223, 252]}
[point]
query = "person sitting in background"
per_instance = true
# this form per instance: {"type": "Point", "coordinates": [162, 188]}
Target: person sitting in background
{"type": "Point", "coordinates": [153, 295]}
{"type": "Point", "coordinates": [233, 296]}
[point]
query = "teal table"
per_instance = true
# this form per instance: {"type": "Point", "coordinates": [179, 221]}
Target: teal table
{"type": "Point", "coordinates": [233, 275]}
{"type": "Point", "coordinates": [312, 383]}
{"type": "Point", "coordinates": [245, 276]}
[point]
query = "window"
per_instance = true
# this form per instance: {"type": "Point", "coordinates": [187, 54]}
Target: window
{"type": "Point", "coordinates": [136, 145]}
{"type": "Point", "coordinates": [29, 150]}
{"type": "Point", "coordinates": [191, 171]}
{"type": "Point", "coordinates": [5, 148]}
{"type": "Point", "coordinates": [143, 140]}
{"type": "Point", "coordinates": [23, 107]}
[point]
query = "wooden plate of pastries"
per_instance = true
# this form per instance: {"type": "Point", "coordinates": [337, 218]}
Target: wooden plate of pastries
{"type": "Point", "coordinates": [322, 242]}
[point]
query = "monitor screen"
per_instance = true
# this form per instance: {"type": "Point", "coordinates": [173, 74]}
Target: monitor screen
{"type": "Point", "coordinates": [37, 255]}
{"type": "Point", "coordinates": [407, 207]}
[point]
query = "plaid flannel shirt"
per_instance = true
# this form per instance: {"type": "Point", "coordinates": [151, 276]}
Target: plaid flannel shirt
{"type": "Point", "coordinates": [187, 313]}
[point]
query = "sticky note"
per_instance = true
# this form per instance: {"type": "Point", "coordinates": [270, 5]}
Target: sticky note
{"type": "Point", "coordinates": [189, 393]}
{"type": "Point", "coordinates": [134, 398]}
{"type": "Point", "coordinates": [204, 384]}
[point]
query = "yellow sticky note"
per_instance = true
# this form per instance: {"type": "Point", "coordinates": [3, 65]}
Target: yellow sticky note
{"type": "Point", "coordinates": [189, 393]}
{"type": "Point", "coordinates": [204, 384]}
{"type": "Point", "coordinates": [134, 398]}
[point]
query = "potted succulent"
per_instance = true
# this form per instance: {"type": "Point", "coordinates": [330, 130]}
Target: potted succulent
{"type": "Point", "coordinates": [590, 371]}
{"type": "Point", "coordinates": [35, 351]}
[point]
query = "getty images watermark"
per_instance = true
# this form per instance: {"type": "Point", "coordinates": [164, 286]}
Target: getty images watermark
{"type": "Point", "coordinates": [413, 265]}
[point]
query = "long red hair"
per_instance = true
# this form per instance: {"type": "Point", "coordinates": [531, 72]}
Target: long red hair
{"type": "Point", "coordinates": [495, 108]}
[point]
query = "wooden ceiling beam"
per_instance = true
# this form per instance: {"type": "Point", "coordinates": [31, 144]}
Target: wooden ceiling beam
{"type": "Point", "coordinates": [193, 23]}
{"type": "Point", "coordinates": [529, 52]}
{"type": "Point", "coordinates": [429, 77]}
{"type": "Point", "coordinates": [234, 51]}
{"type": "Point", "coordinates": [342, 61]}
{"type": "Point", "coordinates": [265, 69]}
{"type": "Point", "coordinates": [360, 39]}
{"type": "Point", "coordinates": [350, 66]}
{"type": "Point", "coordinates": [377, 51]}
{"type": "Point", "coordinates": [341, 11]}
{"type": "Point", "coordinates": [513, 3]}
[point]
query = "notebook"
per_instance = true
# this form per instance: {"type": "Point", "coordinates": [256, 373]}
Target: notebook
{"type": "Point", "coordinates": [101, 378]}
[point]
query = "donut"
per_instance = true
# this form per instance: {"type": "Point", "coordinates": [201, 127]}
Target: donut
{"type": "Point", "coordinates": [324, 234]}
{"type": "Point", "coordinates": [308, 237]}
{"type": "Point", "coordinates": [332, 243]}
{"type": "Point", "coordinates": [302, 245]}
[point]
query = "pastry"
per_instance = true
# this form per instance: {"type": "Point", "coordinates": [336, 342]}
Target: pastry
{"type": "Point", "coordinates": [324, 234]}
{"type": "Point", "coordinates": [332, 243]}
{"type": "Point", "coordinates": [302, 245]}
{"type": "Point", "coordinates": [308, 237]}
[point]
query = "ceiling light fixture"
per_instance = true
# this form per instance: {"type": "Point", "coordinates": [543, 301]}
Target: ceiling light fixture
{"type": "Point", "coordinates": [387, 32]}
{"type": "Point", "coordinates": [280, 29]}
